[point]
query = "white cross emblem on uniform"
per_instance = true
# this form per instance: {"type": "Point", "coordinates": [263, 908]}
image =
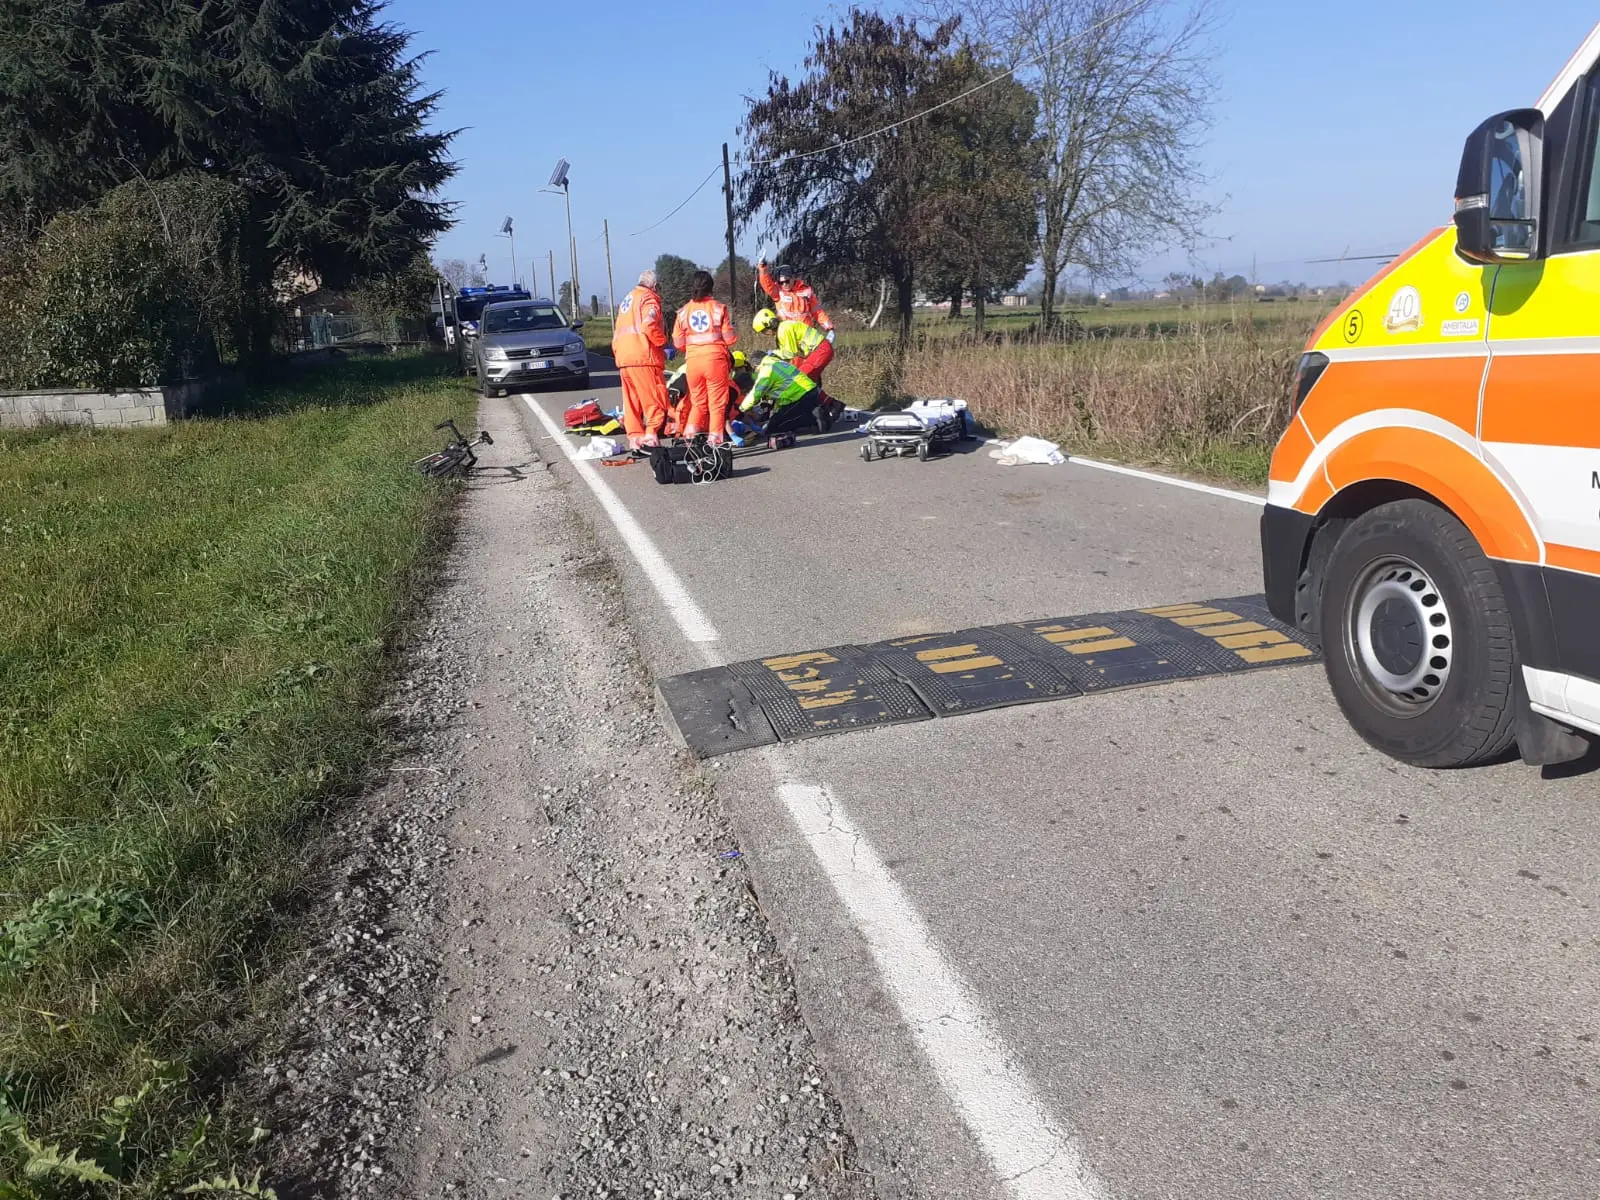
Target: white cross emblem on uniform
{"type": "Point", "coordinates": [700, 321]}
{"type": "Point", "coordinates": [627, 304]}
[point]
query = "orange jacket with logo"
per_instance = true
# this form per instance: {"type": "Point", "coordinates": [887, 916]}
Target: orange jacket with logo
{"type": "Point", "coordinates": [703, 328]}
{"type": "Point", "coordinates": [796, 303]}
{"type": "Point", "coordinates": [640, 338]}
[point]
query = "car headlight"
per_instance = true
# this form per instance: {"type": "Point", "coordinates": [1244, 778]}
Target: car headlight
{"type": "Point", "coordinates": [494, 354]}
{"type": "Point", "coordinates": [576, 347]}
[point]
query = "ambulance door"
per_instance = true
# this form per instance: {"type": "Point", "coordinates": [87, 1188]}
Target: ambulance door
{"type": "Point", "coordinates": [1540, 419]}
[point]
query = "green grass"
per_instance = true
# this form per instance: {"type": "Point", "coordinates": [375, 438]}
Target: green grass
{"type": "Point", "coordinates": [196, 622]}
{"type": "Point", "coordinates": [596, 333]}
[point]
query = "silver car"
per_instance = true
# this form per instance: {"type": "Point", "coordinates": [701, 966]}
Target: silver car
{"type": "Point", "coordinates": [523, 342]}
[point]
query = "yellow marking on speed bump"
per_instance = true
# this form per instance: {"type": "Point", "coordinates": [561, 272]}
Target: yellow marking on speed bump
{"type": "Point", "coordinates": [1251, 641]}
{"type": "Point", "coordinates": [1061, 635]}
{"type": "Point", "coordinates": [944, 652]}
{"type": "Point", "coordinates": [1274, 653]}
{"type": "Point", "coordinates": [831, 700]}
{"type": "Point", "coordinates": [1220, 631]}
{"type": "Point", "coordinates": [1102, 647]}
{"type": "Point", "coordinates": [788, 662]}
{"type": "Point", "coordinates": [1241, 641]}
{"type": "Point", "coordinates": [1201, 620]}
{"type": "Point", "coordinates": [799, 673]}
{"type": "Point", "coordinates": [977, 663]}
{"type": "Point", "coordinates": [952, 660]}
{"type": "Point", "coordinates": [1099, 640]}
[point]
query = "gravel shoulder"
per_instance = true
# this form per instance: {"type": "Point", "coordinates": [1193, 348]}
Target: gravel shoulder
{"type": "Point", "coordinates": [543, 970]}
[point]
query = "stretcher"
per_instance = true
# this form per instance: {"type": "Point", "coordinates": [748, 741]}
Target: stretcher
{"type": "Point", "coordinates": [923, 429]}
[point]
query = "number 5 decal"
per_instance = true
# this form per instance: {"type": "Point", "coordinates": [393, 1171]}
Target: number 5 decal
{"type": "Point", "coordinates": [1353, 325]}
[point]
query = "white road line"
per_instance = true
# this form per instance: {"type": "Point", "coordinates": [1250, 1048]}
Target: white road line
{"type": "Point", "coordinates": [1033, 1159]}
{"type": "Point", "coordinates": [694, 623]}
{"type": "Point", "coordinates": [980, 1075]}
{"type": "Point", "coordinates": [1151, 476]}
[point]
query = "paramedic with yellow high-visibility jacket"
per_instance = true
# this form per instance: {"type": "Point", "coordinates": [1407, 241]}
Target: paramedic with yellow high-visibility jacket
{"type": "Point", "coordinates": [809, 349]}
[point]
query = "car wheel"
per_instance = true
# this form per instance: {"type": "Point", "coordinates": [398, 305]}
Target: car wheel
{"type": "Point", "coordinates": [1420, 650]}
{"type": "Point", "coordinates": [483, 387]}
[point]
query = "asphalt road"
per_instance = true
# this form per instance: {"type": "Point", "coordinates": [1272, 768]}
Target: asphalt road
{"type": "Point", "coordinates": [1228, 950]}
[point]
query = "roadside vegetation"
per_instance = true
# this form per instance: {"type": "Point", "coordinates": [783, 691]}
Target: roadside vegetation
{"type": "Point", "coordinates": [1203, 391]}
{"type": "Point", "coordinates": [197, 622]}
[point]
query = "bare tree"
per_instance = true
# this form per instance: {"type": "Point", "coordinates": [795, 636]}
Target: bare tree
{"type": "Point", "coordinates": [458, 274]}
{"type": "Point", "coordinates": [1124, 90]}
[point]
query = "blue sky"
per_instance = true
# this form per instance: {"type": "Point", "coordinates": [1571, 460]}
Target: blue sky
{"type": "Point", "coordinates": [1337, 126]}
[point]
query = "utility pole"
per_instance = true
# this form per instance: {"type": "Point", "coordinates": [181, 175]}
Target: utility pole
{"type": "Point", "coordinates": [554, 296]}
{"type": "Point", "coordinates": [611, 287]}
{"type": "Point", "coordinates": [727, 195]}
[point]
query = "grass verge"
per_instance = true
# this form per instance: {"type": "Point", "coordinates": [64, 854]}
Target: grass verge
{"type": "Point", "coordinates": [196, 620]}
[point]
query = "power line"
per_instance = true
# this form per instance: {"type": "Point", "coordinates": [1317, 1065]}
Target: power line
{"type": "Point", "coordinates": [972, 91]}
{"type": "Point", "coordinates": [686, 200]}
{"type": "Point", "coordinates": [917, 116]}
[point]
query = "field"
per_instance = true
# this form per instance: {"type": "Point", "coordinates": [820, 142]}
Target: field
{"type": "Point", "coordinates": [197, 623]}
{"type": "Point", "coordinates": [1202, 390]}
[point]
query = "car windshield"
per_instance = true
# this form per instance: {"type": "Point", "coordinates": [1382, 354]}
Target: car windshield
{"type": "Point", "coordinates": [520, 318]}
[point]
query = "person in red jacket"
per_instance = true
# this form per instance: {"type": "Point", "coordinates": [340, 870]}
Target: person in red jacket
{"type": "Point", "coordinates": [704, 333]}
{"type": "Point", "coordinates": [793, 297]}
{"type": "Point", "coordinates": [639, 344]}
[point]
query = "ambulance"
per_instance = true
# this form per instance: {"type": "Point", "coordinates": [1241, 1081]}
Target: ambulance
{"type": "Point", "coordinates": [1433, 509]}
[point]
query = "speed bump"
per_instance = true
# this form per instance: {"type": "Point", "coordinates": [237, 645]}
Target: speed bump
{"type": "Point", "coordinates": [790, 697]}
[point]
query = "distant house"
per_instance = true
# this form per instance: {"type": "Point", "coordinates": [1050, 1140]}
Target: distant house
{"type": "Point", "coordinates": [1014, 300]}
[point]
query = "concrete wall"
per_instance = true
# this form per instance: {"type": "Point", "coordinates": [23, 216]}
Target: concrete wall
{"type": "Point", "coordinates": [114, 410]}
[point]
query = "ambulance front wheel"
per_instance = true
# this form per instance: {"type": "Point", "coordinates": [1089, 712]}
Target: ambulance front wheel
{"type": "Point", "coordinates": [1418, 638]}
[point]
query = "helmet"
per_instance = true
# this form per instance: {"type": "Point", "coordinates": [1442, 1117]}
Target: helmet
{"type": "Point", "coordinates": [783, 271]}
{"type": "Point", "coordinates": [739, 360]}
{"type": "Point", "coordinates": [765, 320]}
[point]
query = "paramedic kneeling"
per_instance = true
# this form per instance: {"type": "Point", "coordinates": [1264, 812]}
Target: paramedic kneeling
{"type": "Point", "coordinates": [809, 349]}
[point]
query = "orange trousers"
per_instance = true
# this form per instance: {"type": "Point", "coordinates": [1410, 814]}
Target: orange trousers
{"type": "Point", "coordinates": [710, 377]}
{"type": "Point", "coordinates": [644, 401]}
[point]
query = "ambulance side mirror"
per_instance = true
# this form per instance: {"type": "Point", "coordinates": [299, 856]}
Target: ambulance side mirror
{"type": "Point", "coordinates": [1499, 189]}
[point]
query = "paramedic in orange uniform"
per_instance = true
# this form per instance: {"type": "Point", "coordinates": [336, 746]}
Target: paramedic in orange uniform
{"type": "Point", "coordinates": [639, 344]}
{"type": "Point", "coordinates": [793, 297]}
{"type": "Point", "coordinates": [704, 332]}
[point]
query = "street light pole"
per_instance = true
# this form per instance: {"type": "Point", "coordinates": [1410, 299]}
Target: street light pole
{"type": "Point", "coordinates": [558, 181]}
{"type": "Point", "coordinates": [572, 246]}
{"type": "Point", "coordinates": [507, 231]}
